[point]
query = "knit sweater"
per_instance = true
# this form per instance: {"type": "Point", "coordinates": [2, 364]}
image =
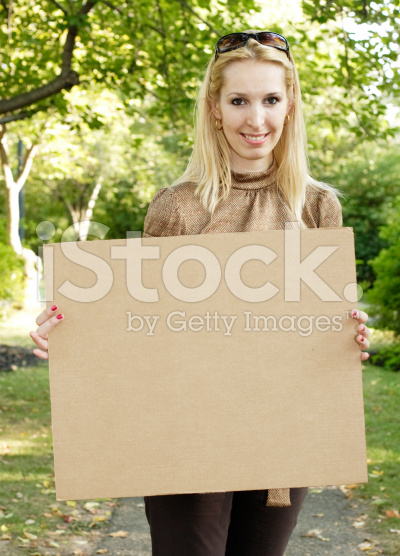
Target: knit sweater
{"type": "Point", "coordinates": [254, 203]}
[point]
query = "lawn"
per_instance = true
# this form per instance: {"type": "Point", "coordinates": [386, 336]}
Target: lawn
{"type": "Point", "coordinates": [31, 519]}
{"type": "Point", "coordinates": [33, 522]}
{"type": "Point", "coordinates": [381, 402]}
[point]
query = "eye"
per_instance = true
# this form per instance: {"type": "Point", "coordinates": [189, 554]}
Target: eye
{"type": "Point", "coordinates": [271, 100]}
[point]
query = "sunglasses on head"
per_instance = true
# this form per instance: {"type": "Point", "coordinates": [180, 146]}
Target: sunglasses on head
{"type": "Point", "coordinates": [237, 40]}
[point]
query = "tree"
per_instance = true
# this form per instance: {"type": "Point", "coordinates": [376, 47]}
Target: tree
{"type": "Point", "coordinates": [13, 187]}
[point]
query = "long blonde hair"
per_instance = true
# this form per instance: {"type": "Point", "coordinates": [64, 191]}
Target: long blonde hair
{"type": "Point", "coordinates": [209, 165]}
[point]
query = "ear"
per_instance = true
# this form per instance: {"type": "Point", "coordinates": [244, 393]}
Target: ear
{"type": "Point", "coordinates": [215, 110]}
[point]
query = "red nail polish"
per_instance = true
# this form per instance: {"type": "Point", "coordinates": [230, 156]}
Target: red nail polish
{"type": "Point", "coordinates": [354, 314]}
{"type": "Point", "coordinates": [362, 339]}
{"type": "Point", "coordinates": [60, 316]}
{"type": "Point", "coordinates": [54, 308]}
{"type": "Point", "coordinates": [363, 328]}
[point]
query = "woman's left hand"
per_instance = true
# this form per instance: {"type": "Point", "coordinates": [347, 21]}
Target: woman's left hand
{"type": "Point", "coordinates": [363, 332]}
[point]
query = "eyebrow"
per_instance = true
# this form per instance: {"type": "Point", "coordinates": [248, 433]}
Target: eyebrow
{"type": "Point", "coordinates": [245, 94]}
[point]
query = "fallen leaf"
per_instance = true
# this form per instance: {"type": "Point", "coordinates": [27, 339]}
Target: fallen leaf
{"type": "Point", "coordinates": [5, 537]}
{"type": "Point", "coordinates": [392, 513]}
{"type": "Point", "coordinates": [102, 551]}
{"type": "Point", "coordinates": [119, 534]}
{"type": "Point", "coordinates": [91, 507]}
{"type": "Point", "coordinates": [71, 503]}
{"type": "Point", "coordinates": [67, 518]}
{"type": "Point", "coordinates": [99, 518]}
{"type": "Point", "coordinates": [312, 533]}
{"type": "Point", "coordinates": [316, 534]}
{"type": "Point", "coordinates": [379, 502]}
{"type": "Point", "coordinates": [30, 536]}
{"type": "Point", "coordinates": [395, 531]}
{"type": "Point", "coordinates": [364, 546]}
{"type": "Point", "coordinates": [318, 515]}
{"type": "Point", "coordinates": [358, 524]}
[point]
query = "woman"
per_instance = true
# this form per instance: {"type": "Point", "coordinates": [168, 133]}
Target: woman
{"type": "Point", "coordinates": [248, 171]}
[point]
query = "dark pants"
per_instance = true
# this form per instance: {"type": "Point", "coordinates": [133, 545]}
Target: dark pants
{"type": "Point", "coordinates": [221, 524]}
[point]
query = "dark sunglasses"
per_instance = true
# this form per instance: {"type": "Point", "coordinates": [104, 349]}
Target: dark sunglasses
{"type": "Point", "coordinates": [237, 40]}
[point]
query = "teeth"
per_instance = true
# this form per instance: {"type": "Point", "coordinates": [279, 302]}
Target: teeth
{"type": "Point", "coordinates": [254, 137]}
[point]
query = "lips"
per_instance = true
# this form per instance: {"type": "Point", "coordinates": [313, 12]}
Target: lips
{"type": "Point", "coordinates": [252, 136]}
{"type": "Point", "coordinates": [257, 139]}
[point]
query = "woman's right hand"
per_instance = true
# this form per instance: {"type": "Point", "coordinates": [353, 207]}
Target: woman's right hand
{"type": "Point", "coordinates": [46, 321]}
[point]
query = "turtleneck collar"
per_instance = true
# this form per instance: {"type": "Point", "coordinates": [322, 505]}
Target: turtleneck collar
{"type": "Point", "coordinates": [254, 180]}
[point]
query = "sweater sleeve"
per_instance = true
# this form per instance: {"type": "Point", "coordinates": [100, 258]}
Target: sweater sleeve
{"type": "Point", "coordinates": [163, 216]}
{"type": "Point", "coordinates": [330, 211]}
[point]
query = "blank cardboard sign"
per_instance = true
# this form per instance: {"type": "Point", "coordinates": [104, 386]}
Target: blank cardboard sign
{"type": "Point", "coordinates": [205, 363]}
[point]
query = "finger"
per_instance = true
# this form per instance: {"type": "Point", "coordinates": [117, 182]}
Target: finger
{"type": "Point", "coordinates": [44, 329]}
{"type": "Point", "coordinates": [41, 354]}
{"type": "Point", "coordinates": [363, 342]}
{"type": "Point", "coordinates": [361, 316]}
{"type": "Point", "coordinates": [39, 341]}
{"type": "Point", "coordinates": [364, 356]}
{"type": "Point", "coordinates": [363, 330]}
{"type": "Point", "coordinates": [46, 314]}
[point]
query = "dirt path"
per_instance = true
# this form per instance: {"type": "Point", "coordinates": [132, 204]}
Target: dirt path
{"type": "Point", "coordinates": [326, 513]}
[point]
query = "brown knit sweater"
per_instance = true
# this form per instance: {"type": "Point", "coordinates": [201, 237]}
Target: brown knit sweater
{"type": "Point", "coordinates": [254, 203]}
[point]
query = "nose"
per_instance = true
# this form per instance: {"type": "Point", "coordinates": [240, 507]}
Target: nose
{"type": "Point", "coordinates": [256, 116]}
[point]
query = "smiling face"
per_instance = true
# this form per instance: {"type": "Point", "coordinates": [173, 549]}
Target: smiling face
{"type": "Point", "coordinates": [252, 107]}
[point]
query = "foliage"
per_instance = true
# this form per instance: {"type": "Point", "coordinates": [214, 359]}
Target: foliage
{"type": "Point", "coordinates": [138, 48]}
{"type": "Point", "coordinates": [372, 58]}
{"type": "Point", "coordinates": [12, 274]}
{"type": "Point", "coordinates": [382, 492]}
{"type": "Point", "coordinates": [368, 177]}
{"type": "Point", "coordinates": [384, 297]}
{"type": "Point", "coordinates": [388, 357]}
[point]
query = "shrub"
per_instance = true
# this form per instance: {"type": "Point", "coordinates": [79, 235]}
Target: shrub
{"type": "Point", "coordinates": [12, 278]}
{"type": "Point", "coordinates": [388, 356]}
{"type": "Point", "coordinates": [384, 297]}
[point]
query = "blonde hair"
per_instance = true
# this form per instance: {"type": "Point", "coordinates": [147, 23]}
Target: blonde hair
{"type": "Point", "coordinates": [209, 165]}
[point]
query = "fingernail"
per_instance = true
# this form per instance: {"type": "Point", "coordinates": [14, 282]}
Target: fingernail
{"type": "Point", "coordinates": [60, 316]}
{"type": "Point", "coordinates": [54, 308]}
{"type": "Point", "coordinates": [363, 328]}
{"type": "Point", "coordinates": [362, 339]}
{"type": "Point", "coordinates": [354, 313]}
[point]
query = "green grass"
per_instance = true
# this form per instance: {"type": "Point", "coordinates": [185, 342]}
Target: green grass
{"type": "Point", "coordinates": [14, 330]}
{"type": "Point", "coordinates": [382, 492]}
{"type": "Point", "coordinates": [27, 492]}
{"type": "Point", "coordinates": [26, 460]}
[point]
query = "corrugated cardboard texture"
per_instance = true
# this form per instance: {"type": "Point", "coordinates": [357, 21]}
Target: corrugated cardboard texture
{"type": "Point", "coordinates": [204, 410]}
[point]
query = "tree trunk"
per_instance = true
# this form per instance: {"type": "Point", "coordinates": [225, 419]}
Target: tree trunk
{"type": "Point", "coordinates": [13, 187]}
{"type": "Point", "coordinates": [81, 218]}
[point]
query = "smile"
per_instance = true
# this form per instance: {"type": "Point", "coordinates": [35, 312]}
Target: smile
{"type": "Point", "coordinates": [255, 139]}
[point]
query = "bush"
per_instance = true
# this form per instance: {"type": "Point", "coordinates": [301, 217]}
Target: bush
{"type": "Point", "coordinates": [12, 278]}
{"type": "Point", "coordinates": [384, 297]}
{"type": "Point", "coordinates": [388, 356]}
